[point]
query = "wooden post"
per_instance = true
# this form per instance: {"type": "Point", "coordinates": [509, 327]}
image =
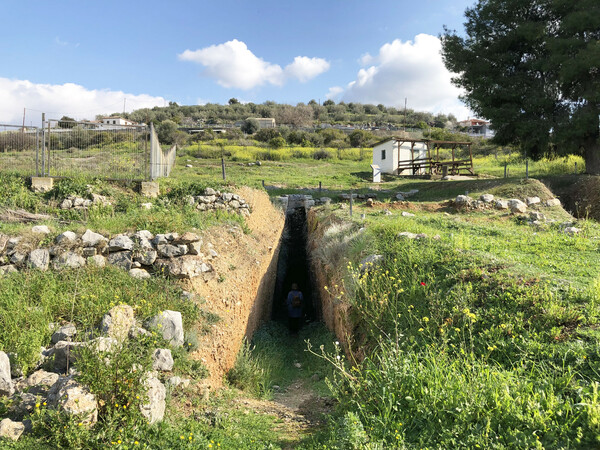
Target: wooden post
{"type": "Point", "coordinates": [505, 169]}
{"type": "Point", "coordinates": [351, 203]}
{"type": "Point", "coordinates": [527, 168]}
{"type": "Point", "coordinates": [319, 187]}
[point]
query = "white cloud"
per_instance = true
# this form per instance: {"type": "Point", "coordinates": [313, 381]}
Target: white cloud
{"type": "Point", "coordinates": [67, 99]}
{"type": "Point", "coordinates": [334, 92]}
{"type": "Point", "coordinates": [233, 65]}
{"type": "Point", "coordinates": [304, 68]}
{"type": "Point", "coordinates": [411, 69]}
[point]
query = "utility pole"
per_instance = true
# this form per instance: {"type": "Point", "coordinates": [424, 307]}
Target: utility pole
{"type": "Point", "coordinates": [124, 103]}
{"type": "Point", "coordinates": [23, 129]}
{"type": "Point", "coordinates": [405, 99]}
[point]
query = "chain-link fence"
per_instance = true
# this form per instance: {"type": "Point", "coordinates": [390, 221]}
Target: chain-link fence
{"type": "Point", "coordinates": [19, 149]}
{"type": "Point", "coordinates": [109, 151]}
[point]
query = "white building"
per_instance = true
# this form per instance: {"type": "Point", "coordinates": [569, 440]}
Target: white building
{"type": "Point", "coordinates": [116, 121]}
{"type": "Point", "coordinates": [389, 153]}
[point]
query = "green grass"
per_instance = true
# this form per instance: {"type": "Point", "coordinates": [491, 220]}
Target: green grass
{"type": "Point", "coordinates": [486, 338]}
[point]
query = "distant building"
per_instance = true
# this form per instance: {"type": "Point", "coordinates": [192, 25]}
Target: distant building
{"type": "Point", "coordinates": [389, 153]}
{"type": "Point", "coordinates": [477, 128]}
{"type": "Point", "coordinates": [264, 122]}
{"type": "Point", "coordinates": [116, 121]}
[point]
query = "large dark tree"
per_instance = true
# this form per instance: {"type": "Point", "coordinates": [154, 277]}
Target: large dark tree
{"type": "Point", "coordinates": [532, 68]}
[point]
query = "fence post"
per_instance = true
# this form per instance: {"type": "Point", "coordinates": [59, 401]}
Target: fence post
{"type": "Point", "coordinates": [527, 168]}
{"type": "Point", "coordinates": [505, 169]}
{"type": "Point", "coordinates": [351, 202]}
{"type": "Point", "coordinates": [153, 154]}
{"type": "Point", "coordinates": [320, 182]}
{"type": "Point", "coordinates": [43, 145]}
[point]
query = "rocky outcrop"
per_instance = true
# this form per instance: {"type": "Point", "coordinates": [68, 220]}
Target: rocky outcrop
{"type": "Point", "coordinates": [170, 325]}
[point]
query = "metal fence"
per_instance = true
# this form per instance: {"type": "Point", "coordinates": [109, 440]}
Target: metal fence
{"type": "Point", "coordinates": [94, 149]}
{"type": "Point", "coordinates": [19, 149]}
{"type": "Point", "coordinates": [101, 150]}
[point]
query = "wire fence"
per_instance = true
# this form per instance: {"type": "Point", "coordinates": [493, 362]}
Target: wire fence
{"type": "Point", "coordinates": [109, 151]}
{"type": "Point", "coordinates": [19, 149]}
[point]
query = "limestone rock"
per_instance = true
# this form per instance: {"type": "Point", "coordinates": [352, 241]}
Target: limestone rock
{"type": "Point", "coordinates": [407, 235]}
{"type": "Point", "coordinates": [537, 216]}
{"type": "Point", "coordinates": [516, 206]}
{"type": "Point", "coordinates": [407, 214]}
{"type": "Point", "coordinates": [400, 197]}
{"type": "Point", "coordinates": [64, 333]}
{"type": "Point", "coordinates": [11, 430]}
{"type": "Point", "coordinates": [98, 261]}
{"type": "Point", "coordinates": [39, 259]}
{"type": "Point", "coordinates": [187, 266]}
{"type": "Point", "coordinates": [73, 398]}
{"type": "Point", "coordinates": [103, 344]}
{"type": "Point", "coordinates": [169, 251]}
{"type": "Point", "coordinates": [68, 260]}
{"type": "Point", "coordinates": [552, 202]}
{"type": "Point", "coordinates": [154, 408]}
{"type": "Point", "coordinates": [210, 191]}
{"type": "Point", "coordinates": [91, 239]}
{"type": "Point", "coordinates": [532, 201]}
{"type": "Point", "coordinates": [140, 274]}
{"type": "Point", "coordinates": [463, 201]}
{"type": "Point", "coordinates": [65, 354]}
{"type": "Point", "coordinates": [170, 325]}
{"type": "Point", "coordinates": [119, 243]}
{"type": "Point", "coordinates": [501, 204]}
{"type": "Point", "coordinates": [162, 359]}
{"type": "Point", "coordinates": [68, 237]}
{"type": "Point", "coordinates": [118, 322]}
{"type": "Point", "coordinates": [6, 384]}
{"type": "Point", "coordinates": [18, 258]}
{"type": "Point", "coordinates": [195, 248]}
{"type": "Point", "coordinates": [487, 198]}
{"type": "Point", "coordinates": [160, 239]}
{"type": "Point", "coordinates": [177, 381]}
{"type": "Point", "coordinates": [66, 204]}
{"type": "Point", "coordinates": [38, 382]}
{"type": "Point", "coordinates": [7, 269]}
{"type": "Point", "coordinates": [187, 238]}
{"type": "Point", "coordinates": [40, 229]}
{"type": "Point", "coordinates": [143, 234]}
{"type": "Point", "coordinates": [121, 259]}
{"type": "Point", "coordinates": [572, 230]}
{"type": "Point", "coordinates": [145, 257]}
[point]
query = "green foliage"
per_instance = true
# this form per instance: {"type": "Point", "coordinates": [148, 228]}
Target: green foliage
{"type": "Point", "coordinates": [471, 340]}
{"type": "Point", "coordinates": [167, 131]}
{"type": "Point", "coordinates": [531, 68]}
{"type": "Point", "coordinates": [29, 301]}
{"type": "Point", "coordinates": [277, 142]}
{"type": "Point", "coordinates": [247, 374]}
{"type": "Point", "coordinates": [250, 126]}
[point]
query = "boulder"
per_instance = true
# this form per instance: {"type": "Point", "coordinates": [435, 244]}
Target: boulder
{"type": "Point", "coordinates": [18, 258]}
{"type": "Point", "coordinates": [210, 191]}
{"type": "Point", "coordinates": [38, 383]}
{"type": "Point", "coordinates": [501, 204]}
{"type": "Point", "coordinates": [487, 198]}
{"type": "Point", "coordinates": [145, 257]}
{"type": "Point", "coordinates": [154, 408]}
{"type": "Point", "coordinates": [65, 354]}
{"type": "Point", "coordinates": [536, 216]}
{"type": "Point", "coordinates": [66, 204]}
{"type": "Point", "coordinates": [91, 239]}
{"type": "Point", "coordinates": [64, 333]}
{"type": "Point", "coordinates": [68, 237]}
{"type": "Point", "coordinates": [140, 274]}
{"type": "Point", "coordinates": [72, 398]}
{"type": "Point", "coordinates": [68, 260]}
{"type": "Point", "coordinates": [160, 239]}
{"type": "Point", "coordinates": [98, 261]}
{"type": "Point", "coordinates": [572, 230]}
{"type": "Point", "coordinates": [187, 266]}
{"type": "Point", "coordinates": [88, 252]}
{"type": "Point", "coordinates": [11, 430]}
{"type": "Point", "coordinates": [118, 322]}
{"type": "Point", "coordinates": [40, 229]}
{"type": "Point", "coordinates": [121, 259]}
{"type": "Point", "coordinates": [407, 214]}
{"type": "Point", "coordinates": [7, 269]}
{"type": "Point", "coordinates": [195, 248]}
{"type": "Point", "coordinates": [463, 201]}
{"type": "Point", "coordinates": [162, 359]}
{"type": "Point", "coordinates": [6, 385]}
{"type": "Point", "coordinates": [170, 251]}
{"type": "Point", "coordinates": [119, 243]}
{"type": "Point", "coordinates": [552, 202]}
{"type": "Point", "coordinates": [532, 200]}
{"type": "Point", "coordinates": [400, 197]}
{"type": "Point", "coordinates": [39, 259]}
{"type": "Point", "coordinates": [187, 238]}
{"type": "Point", "coordinates": [143, 234]}
{"type": "Point", "coordinates": [177, 381]}
{"type": "Point", "coordinates": [170, 325]}
{"type": "Point", "coordinates": [516, 206]}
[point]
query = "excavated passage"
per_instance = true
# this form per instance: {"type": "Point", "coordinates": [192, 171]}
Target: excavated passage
{"type": "Point", "coordinates": [293, 267]}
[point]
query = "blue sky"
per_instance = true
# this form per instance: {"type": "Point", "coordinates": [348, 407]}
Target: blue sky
{"type": "Point", "coordinates": [83, 58]}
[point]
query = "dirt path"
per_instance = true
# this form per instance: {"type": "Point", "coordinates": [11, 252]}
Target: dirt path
{"type": "Point", "coordinates": [300, 411]}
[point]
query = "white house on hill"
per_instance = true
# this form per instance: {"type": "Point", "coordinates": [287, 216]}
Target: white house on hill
{"type": "Point", "coordinates": [116, 121]}
{"type": "Point", "coordinates": [387, 154]}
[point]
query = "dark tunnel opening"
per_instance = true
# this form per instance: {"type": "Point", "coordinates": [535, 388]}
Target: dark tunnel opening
{"type": "Point", "coordinates": [293, 267]}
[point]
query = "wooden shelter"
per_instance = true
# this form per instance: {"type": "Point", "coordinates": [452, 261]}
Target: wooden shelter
{"type": "Point", "coordinates": [421, 157]}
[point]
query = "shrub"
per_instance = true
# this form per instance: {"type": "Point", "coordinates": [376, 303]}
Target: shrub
{"type": "Point", "coordinates": [322, 154]}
